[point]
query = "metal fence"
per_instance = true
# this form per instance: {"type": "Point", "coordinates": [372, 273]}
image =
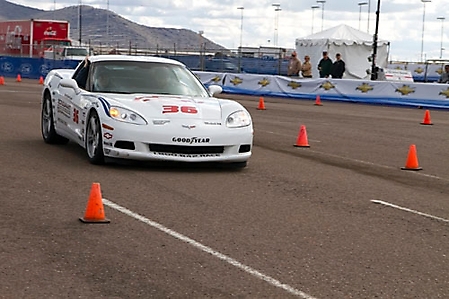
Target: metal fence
{"type": "Point", "coordinates": [272, 61]}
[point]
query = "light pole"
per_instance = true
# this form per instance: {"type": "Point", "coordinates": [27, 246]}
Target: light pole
{"type": "Point", "coordinates": [322, 12]}
{"type": "Point", "coordinates": [107, 24]}
{"type": "Point", "coordinates": [441, 46]}
{"type": "Point", "coordinates": [277, 9]}
{"type": "Point", "coordinates": [423, 21]}
{"type": "Point", "coordinates": [200, 36]}
{"type": "Point", "coordinates": [360, 11]}
{"type": "Point", "coordinates": [241, 8]}
{"type": "Point", "coordinates": [79, 21]}
{"type": "Point", "coordinates": [313, 14]}
{"type": "Point", "coordinates": [241, 36]}
{"type": "Point", "coordinates": [369, 13]}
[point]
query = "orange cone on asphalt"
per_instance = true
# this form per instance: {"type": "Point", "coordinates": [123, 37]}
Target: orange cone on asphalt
{"type": "Point", "coordinates": [302, 141]}
{"type": "Point", "coordinates": [19, 78]}
{"type": "Point", "coordinates": [94, 210]}
{"type": "Point", "coordinates": [2, 80]}
{"type": "Point", "coordinates": [318, 100]}
{"type": "Point", "coordinates": [426, 120]}
{"type": "Point", "coordinates": [412, 160]}
{"type": "Point", "coordinates": [41, 80]}
{"type": "Point", "coordinates": [261, 104]}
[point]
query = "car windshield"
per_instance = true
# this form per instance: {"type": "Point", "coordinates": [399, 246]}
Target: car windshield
{"type": "Point", "coordinates": [145, 77]}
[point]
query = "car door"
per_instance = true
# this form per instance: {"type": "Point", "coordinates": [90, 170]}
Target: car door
{"type": "Point", "coordinates": [70, 102]}
{"type": "Point", "coordinates": [68, 112]}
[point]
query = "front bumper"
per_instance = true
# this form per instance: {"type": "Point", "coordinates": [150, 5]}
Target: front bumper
{"type": "Point", "coordinates": [175, 141]}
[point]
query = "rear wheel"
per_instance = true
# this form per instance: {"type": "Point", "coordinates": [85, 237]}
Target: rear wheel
{"type": "Point", "coordinates": [47, 123]}
{"type": "Point", "coordinates": [94, 140]}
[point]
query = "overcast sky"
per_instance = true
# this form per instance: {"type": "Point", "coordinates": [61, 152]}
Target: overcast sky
{"type": "Point", "coordinates": [401, 21]}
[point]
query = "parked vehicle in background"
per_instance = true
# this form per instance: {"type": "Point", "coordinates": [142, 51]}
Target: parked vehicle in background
{"type": "Point", "coordinates": [221, 65]}
{"type": "Point", "coordinates": [217, 65]}
{"type": "Point", "coordinates": [32, 37]}
{"type": "Point", "coordinates": [66, 53]}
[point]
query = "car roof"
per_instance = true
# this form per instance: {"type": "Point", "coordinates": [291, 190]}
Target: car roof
{"type": "Point", "coordinates": [97, 58]}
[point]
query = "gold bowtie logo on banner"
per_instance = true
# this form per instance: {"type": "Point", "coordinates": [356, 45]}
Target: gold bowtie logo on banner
{"type": "Point", "coordinates": [445, 93]}
{"type": "Point", "coordinates": [365, 87]}
{"type": "Point", "coordinates": [327, 85]}
{"type": "Point", "coordinates": [216, 79]}
{"type": "Point", "coordinates": [236, 81]}
{"type": "Point", "coordinates": [264, 82]}
{"type": "Point", "coordinates": [419, 70]}
{"type": "Point", "coordinates": [294, 84]}
{"type": "Point", "coordinates": [405, 90]}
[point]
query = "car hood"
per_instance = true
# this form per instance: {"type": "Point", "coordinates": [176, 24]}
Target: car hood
{"type": "Point", "coordinates": [168, 107]}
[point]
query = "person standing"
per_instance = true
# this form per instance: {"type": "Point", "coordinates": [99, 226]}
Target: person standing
{"type": "Point", "coordinates": [325, 66]}
{"type": "Point", "coordinates": [444, 76]}
{"type": "Point", "coordinates": [306, 68]}
{"type": "Point", "coordinates": [294, 66]}
{"type": "Point", "coordinates": [338, 68]}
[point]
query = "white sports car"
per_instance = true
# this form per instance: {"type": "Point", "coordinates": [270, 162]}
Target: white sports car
{"type": "Point", "coordinates": [143, 108]}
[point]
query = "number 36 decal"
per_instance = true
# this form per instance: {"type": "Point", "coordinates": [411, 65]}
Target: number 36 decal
{"type": "Point", "coordinates": [176, 109]}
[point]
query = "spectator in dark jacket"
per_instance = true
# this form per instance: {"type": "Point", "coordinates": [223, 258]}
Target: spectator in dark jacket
{"type": "Point", "coordinates": [325, 66]}
{"type": "Point", "coordinates": [338, 68]}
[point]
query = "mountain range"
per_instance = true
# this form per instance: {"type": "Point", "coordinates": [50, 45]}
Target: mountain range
{"type": "Point", "coordinates": [101, 27]}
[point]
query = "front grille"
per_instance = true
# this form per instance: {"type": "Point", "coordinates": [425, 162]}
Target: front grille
{"type": "Point", "coordinates": [183, 149]}
{"type": "Point", "coordinates": [125, 145]}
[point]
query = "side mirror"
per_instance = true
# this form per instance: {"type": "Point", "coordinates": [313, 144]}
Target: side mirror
{"type": "Point", "coordinates": [215, 89]}
{"type": "Point", "coordinates": [69, 83]}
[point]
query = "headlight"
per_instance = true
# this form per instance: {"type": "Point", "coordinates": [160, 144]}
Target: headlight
{"type": "Point", "coordinates": [238, 119]}
{"type": "Point", "coordinates": [127, 116]}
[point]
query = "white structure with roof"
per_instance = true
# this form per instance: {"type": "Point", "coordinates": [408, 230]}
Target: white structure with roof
{"type": "Point", "coordinates": [355, 47]}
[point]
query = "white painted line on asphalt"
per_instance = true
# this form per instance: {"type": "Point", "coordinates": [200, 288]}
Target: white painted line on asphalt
{"type": "Point", "coordinates": [409, 210]}
{"type": "Point", "coordinates": [17, 91]}
{"type": "Point", "coordinates": [209, 250]}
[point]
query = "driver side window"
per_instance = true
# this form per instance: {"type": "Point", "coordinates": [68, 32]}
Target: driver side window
{"type": "Point", "coordinates": [81, 74]}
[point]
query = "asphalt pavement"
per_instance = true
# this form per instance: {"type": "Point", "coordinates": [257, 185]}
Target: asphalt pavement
{"type": "Point", "coordinates": [337, 219]}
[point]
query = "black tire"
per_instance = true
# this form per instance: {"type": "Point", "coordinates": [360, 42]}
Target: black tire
{"type": "Point", "coordinates": [94, 140]}
{"type": "Point", "coordinates": [47, 123]}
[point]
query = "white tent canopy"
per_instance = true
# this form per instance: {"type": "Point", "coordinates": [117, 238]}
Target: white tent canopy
{"type": "Point", "coordinates": [355, 47]}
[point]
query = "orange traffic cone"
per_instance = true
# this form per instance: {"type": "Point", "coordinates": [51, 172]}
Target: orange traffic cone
{"type": "Point", "coordinates": [41, 80]}
{"type": "Point", "coordinates": [412, 160]}
{"type": "Point", "coordinates": [261, 104]}
{"type": "Point", "coordinates": [301, 141]}
{"type": "Point", "coordinates": [94, 210]}
{"type": "Point", "coordinates": [426, 120]}
{"type": "Point", "coordinates": [318, 100]}
{"type": "Point", "coordinates": [2, 80]}
{"type": "Point", "coordinates": [19, 78]}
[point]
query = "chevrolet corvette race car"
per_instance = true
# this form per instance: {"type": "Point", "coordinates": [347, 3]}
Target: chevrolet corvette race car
{"type": "Point", "coordinates": [143, 108]}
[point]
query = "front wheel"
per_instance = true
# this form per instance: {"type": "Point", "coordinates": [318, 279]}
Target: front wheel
{"type": "Point", "coordinates": [47, 123]}
{"type": "Point", "coordinates": [94, 140]}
